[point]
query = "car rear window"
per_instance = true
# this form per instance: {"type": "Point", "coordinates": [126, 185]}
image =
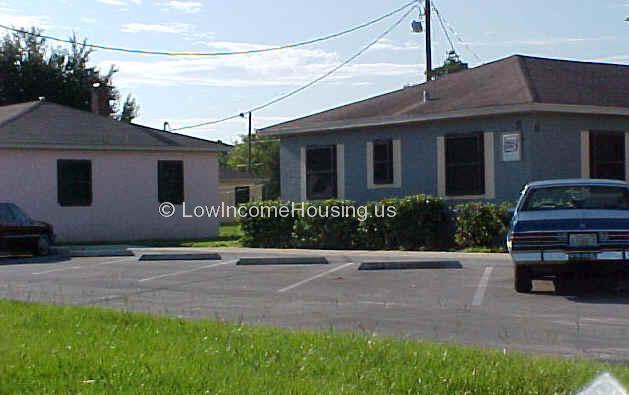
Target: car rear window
{"type": "Point", "coordinates": [578, 198]}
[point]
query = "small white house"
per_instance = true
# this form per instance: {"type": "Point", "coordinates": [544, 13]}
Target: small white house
{"type": "Point", "coordinates": [97, 179]}
{"type": "Point", "coordinates": [237, 187]}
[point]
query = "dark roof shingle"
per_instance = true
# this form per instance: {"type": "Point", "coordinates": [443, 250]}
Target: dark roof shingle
{"type": "Point", "coordinates": [511, 81]}
{"type": "Point", "coordinates": [44, 124]}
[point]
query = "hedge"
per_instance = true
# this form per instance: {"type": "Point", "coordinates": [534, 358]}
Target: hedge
{"type": "Point", "coordinates": [481, 225]}
{"type": "Point", "coordinates": [421, 222]}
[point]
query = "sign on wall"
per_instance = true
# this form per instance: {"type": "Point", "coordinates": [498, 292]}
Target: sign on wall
{"type": "Point", "coordinates": [511, 147]}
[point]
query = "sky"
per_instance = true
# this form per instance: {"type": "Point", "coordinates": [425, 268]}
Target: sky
{"type": "Point", "coordinates": [189, 90]}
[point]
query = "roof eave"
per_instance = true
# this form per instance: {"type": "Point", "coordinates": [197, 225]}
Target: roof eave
{"type": "Point", "coordinates": [109, 148]}
{"type": "Point", "coordinates": [457, 114]}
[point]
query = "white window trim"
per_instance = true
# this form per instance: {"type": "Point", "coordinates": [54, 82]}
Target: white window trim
{"type": "Point", "coordinates": [397, 166]}
{"type": "Point", "coordinates": [585, 154]}
{"type": "Point", "coordinates": [490, 169]}
{"type": "Point", "coordinates": [340, 172]}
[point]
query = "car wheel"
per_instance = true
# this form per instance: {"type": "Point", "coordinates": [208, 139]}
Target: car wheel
{"type": "Point", "coordinates": [563, 285]}
{"type": "Point", "coordinates": [522, 280]}
{"type": "Point", "coordinates": [43, 245]}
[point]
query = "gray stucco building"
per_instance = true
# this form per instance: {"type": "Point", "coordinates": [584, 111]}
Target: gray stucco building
{"type": "Point", "coordinates": [478, 134]}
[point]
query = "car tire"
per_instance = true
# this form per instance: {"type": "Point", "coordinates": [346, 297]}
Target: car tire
{"type": "Point", "coordinates": [43, 246]}
{"type": "Point", "coordinates": [523, 282]}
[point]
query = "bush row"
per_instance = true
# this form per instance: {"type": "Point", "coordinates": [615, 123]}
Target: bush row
{"type": "Point", "coordinates": [418, 222]}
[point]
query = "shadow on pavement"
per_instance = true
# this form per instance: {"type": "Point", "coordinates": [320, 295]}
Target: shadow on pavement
{"type": "Point", "coordinates": [29, 259]}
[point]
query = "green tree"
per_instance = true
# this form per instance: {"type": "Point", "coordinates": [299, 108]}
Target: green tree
{"type": "Point", "coordinates": [452, 64]}
{"type": "Point", "coordinates": [130, 110]}
{"type": "Point", "coordinates": [265, 154]}
{"type": "Point", "coordinates": [30, 69]}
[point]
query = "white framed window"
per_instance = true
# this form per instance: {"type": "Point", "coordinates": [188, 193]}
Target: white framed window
{"type": "Point", "coordinates": [384, 163]}
{"type": "Point", "coordinates": [465, 166]}
{"type": "Point", "coordinates": [322, 172]}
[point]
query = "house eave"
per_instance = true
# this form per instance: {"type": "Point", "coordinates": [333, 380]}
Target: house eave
{"type": "Point", "coordinates": [457, 114]}
{"type": "Point", "coordinates": [107, 148]}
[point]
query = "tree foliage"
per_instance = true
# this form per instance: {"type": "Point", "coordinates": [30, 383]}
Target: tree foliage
{"type": "Point", "coordinates": [452, 64]}
{"type": "Point", "coordinates": [130, 110]}
{"type": "Point", "coordinates": [31, 69]}
{"type": "Point", "coordinates": [265, 161]}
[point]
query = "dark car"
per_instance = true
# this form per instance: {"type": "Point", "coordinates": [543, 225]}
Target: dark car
{"type": "Point", "coordinates": [19, 233]}
{"type": "Point", "coordinates": [564, 230]}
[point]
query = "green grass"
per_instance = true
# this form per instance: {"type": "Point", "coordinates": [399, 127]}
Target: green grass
{"type": "Point", "coordinates": [228, 236]}
{"type": "Point", "coordinates": [54, 349]}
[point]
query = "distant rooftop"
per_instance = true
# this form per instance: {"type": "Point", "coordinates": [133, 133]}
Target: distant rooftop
{"type": "Point", "coordinates": [41, 124]}
{"type": "Point", "coordinates": [503, 84]}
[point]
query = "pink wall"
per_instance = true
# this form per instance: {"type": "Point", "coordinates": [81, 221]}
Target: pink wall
{"type": "Point", "coordinates": [124, 188]}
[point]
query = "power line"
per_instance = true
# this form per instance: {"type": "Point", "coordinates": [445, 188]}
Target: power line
{"type": "Point", "coordinates": [311, 83]}
{"type": "Point", "coordinates": [220, 53]}
{"type": "Point", "coordinates": [443, 27]}
{"type": "Point", "coordinates": [457, 35]}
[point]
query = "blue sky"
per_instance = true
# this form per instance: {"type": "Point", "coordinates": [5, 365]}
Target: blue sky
{"type": "Point", "coordinates": [184, 91]}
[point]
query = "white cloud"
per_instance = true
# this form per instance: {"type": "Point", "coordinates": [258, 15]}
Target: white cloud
{"type": "Point", "coordinates": [190, 7]}
{"type": "Point", "coordinates": [172, 28]}
{"type": "Point", "coordinates": [10, 17]}
{"type": "Point", "coordinates": [291, 67]}
{"type": "Point", "coordinates": [88, 20]}
{"type": "Point", "coordinates": [120, 3]}
{"type": "Point", "coordinates": [390, 45]}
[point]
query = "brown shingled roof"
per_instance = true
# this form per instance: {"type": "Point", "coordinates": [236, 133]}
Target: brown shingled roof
{"type": "Point", "coordinates": [516, 80]}
{"type": "Point", "coordinates": [49, 125]}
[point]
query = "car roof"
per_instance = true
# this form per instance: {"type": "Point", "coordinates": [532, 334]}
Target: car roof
{"type": "Point", "coordinates": [577, 181]}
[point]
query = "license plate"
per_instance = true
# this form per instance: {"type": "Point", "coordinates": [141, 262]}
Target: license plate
{"type": "Point", "coordinates": [583, 240]}
{"type": "Point", "coordinates": [582, 256]}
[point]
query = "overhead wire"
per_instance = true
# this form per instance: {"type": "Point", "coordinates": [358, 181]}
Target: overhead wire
{"type": "Point", "coordinates": [308, 85]}
{"type": "Point", "coordinates": [457, 35]}
{"type": "Point", "coordinates": [219, 53]}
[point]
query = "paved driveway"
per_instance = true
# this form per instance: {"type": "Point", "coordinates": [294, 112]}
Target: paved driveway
{"type": "Point", "coordinates": [465, 298]}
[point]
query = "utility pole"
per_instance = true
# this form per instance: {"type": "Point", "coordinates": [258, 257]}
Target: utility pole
{"type": "Point", "coordinates": [428, 42]}
{"type": "Point", "coordinates": [250, 129]}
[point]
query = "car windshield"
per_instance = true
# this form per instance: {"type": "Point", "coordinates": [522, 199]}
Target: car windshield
{"type": "Point", "coordinates": [577, 197]}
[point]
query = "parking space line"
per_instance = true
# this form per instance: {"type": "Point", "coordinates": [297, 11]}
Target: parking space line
{"type": "Point", "coordinates": [187, 271]}
{"type": "Point", "coordinates": [61, 269]}
{"type": "Point", "coordinates": [309, 279]}
{"type": "Point", "coordinates": [482, 287]}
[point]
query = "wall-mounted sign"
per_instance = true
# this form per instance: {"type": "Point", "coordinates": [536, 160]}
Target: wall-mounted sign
{"type": "Point", "coordinates": [511, 147]}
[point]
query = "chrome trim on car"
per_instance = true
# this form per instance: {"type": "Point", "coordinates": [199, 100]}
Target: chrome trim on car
{"type": "Point", "coordinates": [562, 256]}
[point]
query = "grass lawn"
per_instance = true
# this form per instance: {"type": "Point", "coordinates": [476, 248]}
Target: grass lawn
{"type": "Point", "coordinates": [228, 236]}
{"type": "Point", "coordinates": [55, 349]}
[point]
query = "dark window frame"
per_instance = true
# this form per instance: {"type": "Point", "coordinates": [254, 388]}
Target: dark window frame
{"type": "Point", "coordinates": [597, 163]}
{"type": "Point", "coordinates": [387, 163]}
{"type": "Point", "coordinates": [477, 165]}
{"type": "Point", "coordinates": [331, 172]}
{"type": "Point", "coordinates": [74, 190]}
{"type": "Point", "coordinates": [238, 190]}
{"type": "Point", "coordinates": [170, 186]}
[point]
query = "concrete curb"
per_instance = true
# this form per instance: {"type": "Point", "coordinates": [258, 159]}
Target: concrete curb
{"type": "Point", "coordinates": [283, 261]}
{"type": "Point", "coordinates": [180, 257]}
{"type": "Point", "coordinates": [88, 253]}
{"type": "Point", "coordinates": [409, 265]}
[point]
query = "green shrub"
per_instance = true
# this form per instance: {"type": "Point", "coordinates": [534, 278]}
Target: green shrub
{"type": "Point", "coordinates": [267, 231]}
{"type": "Point", "coordinates": [421, 222]}
{"type": "Point", "coordinates": [329, 229]}
{"type": "Point", "coordinates": [481, 224]}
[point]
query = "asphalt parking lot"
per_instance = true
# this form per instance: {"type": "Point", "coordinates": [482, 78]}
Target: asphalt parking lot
{"type": "Point", "coordinates": [464, 298]}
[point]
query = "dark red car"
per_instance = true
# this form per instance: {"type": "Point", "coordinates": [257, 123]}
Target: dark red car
{"type": "Point", "coordinates": [19, 233]}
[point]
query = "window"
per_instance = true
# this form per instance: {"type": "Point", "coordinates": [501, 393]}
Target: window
{"type": "Point", "coordinates": [383, 162]}
{"type": "Point", "coordinates": [321, 175]}
{"type": "Point", "coordinates": [6, 215]}
{"type": "Point", "coordinates": [577, 198]}
{"type": "Point", "coordinates": [242, 195]}
{"type": "Point", "coordinates": [607, 155]}
{"type": "Point", "coordinates": [74, 182]}
{"type": "Point", "coordinates": [465, 165]}
{"type": "Point", "coordinates": [170, 181]}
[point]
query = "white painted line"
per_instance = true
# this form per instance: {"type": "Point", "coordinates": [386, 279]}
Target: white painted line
{"type": "Point", "coordinates": [482, 287]}
{"type": "Point", "coordinates": [309, 279]}
{"type": "Point", "coordinates": [187, 271]}
{"type": "Point", "coordinates": [61, 269]}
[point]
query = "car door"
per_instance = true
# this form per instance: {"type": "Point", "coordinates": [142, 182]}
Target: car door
{"type": "Point", "coordinates": [26, 230]}
{"type": "Point", "coordinates": [8, 233]}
